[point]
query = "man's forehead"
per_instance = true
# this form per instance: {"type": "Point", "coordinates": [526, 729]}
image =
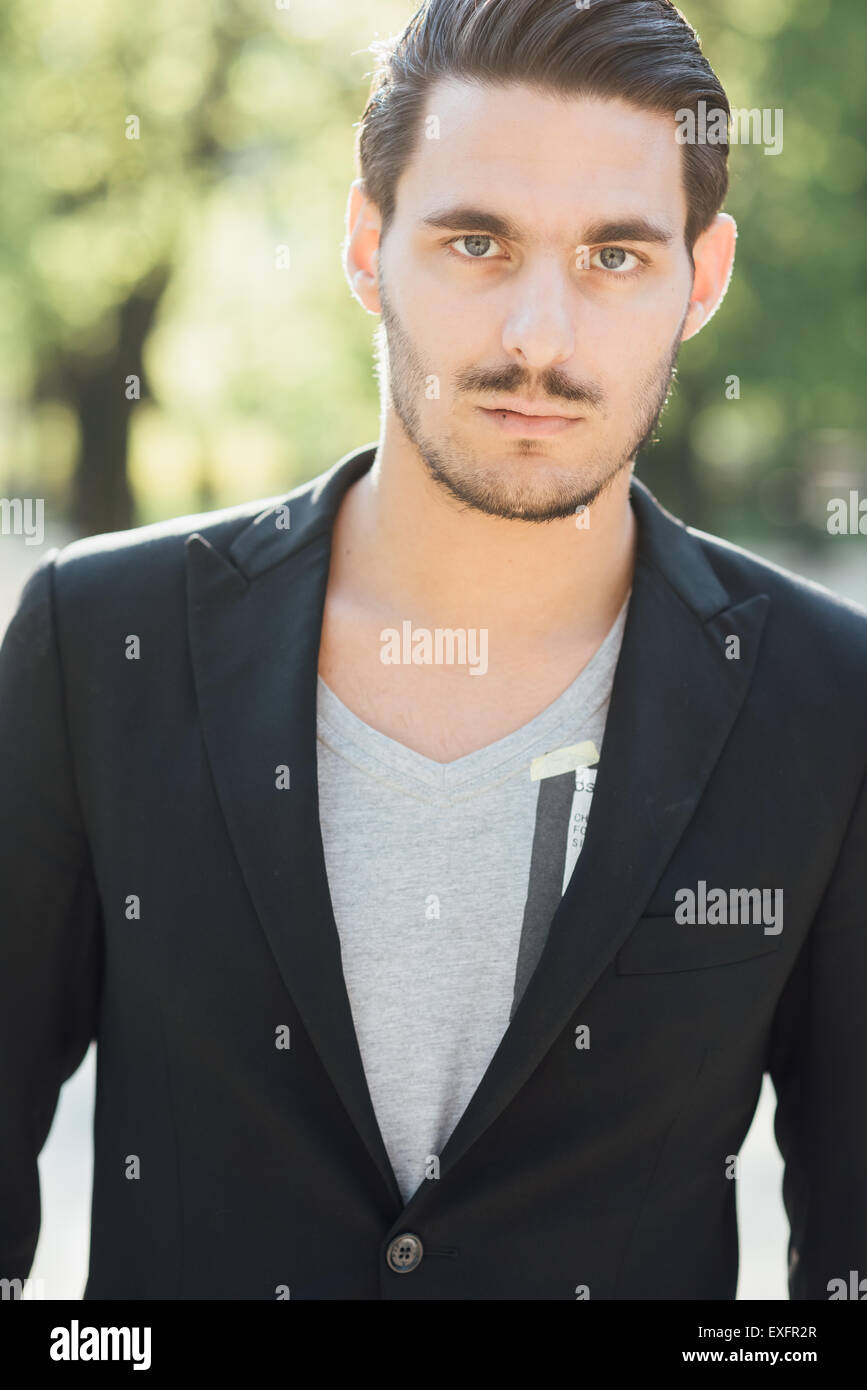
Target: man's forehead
{"type": "Point", "coordinates": [551, 156]}
{"type": "Point", "coordinates": [467, 109]}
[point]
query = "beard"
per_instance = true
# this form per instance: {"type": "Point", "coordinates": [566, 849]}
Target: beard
{"type": "Point", "coordinates": [552, 490]}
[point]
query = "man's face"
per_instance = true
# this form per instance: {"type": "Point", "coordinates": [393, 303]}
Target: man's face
{"type": "Point", "coordinates": [536, 258]}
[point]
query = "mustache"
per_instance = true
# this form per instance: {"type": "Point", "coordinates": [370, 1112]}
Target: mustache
{"type": "Point", "coordinates": [515, 381]}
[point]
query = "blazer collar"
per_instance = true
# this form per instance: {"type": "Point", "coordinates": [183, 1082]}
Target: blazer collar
{"type": "Point", "coordinates": [255, 617]}
{"type": "Point", "coordinates": [664, 542]}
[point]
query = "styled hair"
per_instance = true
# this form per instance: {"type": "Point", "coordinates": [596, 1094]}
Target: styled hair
{"type": "Point", "coordinates": [641, 51]}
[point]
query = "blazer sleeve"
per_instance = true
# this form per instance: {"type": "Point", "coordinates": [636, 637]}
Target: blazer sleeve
{"type": "Point", "coordinates": [818, 1064]}
{"type": "Point", "coordinates": [50, 916]}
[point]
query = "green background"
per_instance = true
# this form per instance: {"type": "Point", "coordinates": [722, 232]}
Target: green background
{"type": "Point", "coordinates": [156, 257]}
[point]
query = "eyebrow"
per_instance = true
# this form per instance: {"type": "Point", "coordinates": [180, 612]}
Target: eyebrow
{"type": "Point", "coordinates": [630, 228]}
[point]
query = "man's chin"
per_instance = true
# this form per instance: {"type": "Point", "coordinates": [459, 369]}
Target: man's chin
{"type": "Point", "coordinates": [527, 488]}
{"type": "Point", "coordinates": [541, 500]}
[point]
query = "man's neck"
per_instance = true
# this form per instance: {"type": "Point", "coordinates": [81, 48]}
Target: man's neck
{"type": "Point", "coordinates": [404, 548]}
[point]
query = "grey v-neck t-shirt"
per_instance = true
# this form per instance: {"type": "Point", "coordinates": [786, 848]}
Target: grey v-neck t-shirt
{"type": "Point", "coordinates": [444, 878]}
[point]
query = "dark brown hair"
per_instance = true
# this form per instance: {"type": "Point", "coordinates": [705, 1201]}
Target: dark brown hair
{"type": "Point", "coordinates": [641, 51]}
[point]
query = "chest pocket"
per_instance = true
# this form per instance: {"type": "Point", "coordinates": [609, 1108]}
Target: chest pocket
{"type": "Point", "coordinates": [660, 944]}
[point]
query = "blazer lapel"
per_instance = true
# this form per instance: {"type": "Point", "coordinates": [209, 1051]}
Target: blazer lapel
{"type": "Point", "coordinates": [255, 622]}
{"type": "Point", "coordinates": [674, 700]}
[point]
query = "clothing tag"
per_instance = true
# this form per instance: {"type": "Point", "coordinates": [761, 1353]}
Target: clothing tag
{"type": "Point", "coordinates": [577, 755]}
{"type": "Point", "coordinates": [585, 781]}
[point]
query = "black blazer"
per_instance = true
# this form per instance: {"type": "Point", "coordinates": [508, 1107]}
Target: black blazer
{"type": "Point", "coordinates": [163, 895]}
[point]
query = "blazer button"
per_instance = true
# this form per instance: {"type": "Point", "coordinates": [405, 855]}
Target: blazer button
{"type": "Point", "coordinates": [404, 1253]}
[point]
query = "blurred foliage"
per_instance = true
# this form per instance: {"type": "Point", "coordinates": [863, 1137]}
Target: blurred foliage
{"type": "Point", "coordinates": [793, 326]}
{"type": "Point", "coordinates": [160, 257]}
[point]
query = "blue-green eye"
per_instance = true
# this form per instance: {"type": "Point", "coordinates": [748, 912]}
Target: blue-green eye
{"type": "Point", "coordinates": [615, 258]}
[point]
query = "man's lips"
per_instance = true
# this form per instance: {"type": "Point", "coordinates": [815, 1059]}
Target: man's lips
{"type": "Point", "coordinates": [516, 422]}
{"type": "Point", "coordinates": [522, 406]}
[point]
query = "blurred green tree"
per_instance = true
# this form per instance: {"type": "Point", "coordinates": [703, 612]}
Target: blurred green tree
{"type": "Point", "coordinates": [175, 329]}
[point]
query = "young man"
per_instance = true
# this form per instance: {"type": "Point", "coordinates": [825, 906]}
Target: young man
{"type": "Point", "coordinates": [441, 853]}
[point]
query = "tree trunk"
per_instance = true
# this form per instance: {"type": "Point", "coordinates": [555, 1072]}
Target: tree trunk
{"type": "Point", "coordinates": [102, 499]}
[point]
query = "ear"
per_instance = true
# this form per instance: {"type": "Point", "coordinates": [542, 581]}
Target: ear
{"type": "Point", "coordinates": [714, 256]}
{"type": "Point", "coordinates": [361, 247]}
